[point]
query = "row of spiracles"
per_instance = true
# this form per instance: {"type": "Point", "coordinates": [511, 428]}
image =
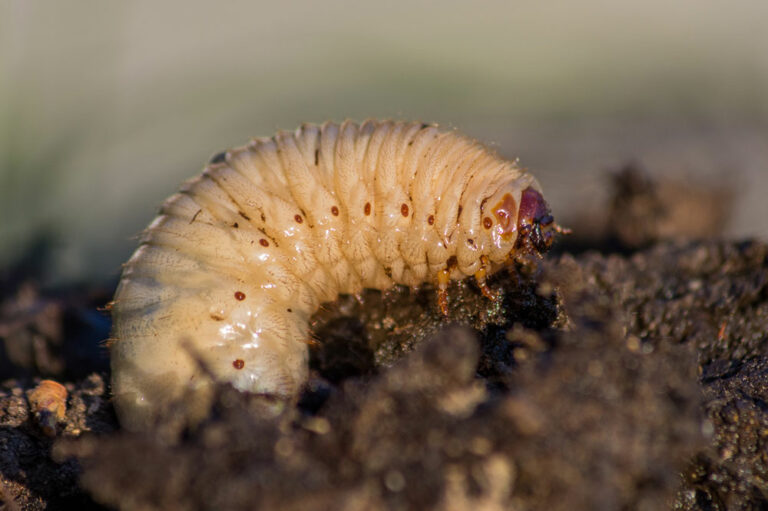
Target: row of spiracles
{"type": "Point", "coordinates": [227, 276]}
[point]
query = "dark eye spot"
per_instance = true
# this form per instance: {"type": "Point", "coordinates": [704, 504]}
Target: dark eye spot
{"type": "Point", "coordinates": [470, 241]}
{"type": "Point", "coordinates": [235, 225]}
{"type": "Point", "coordinates": [404, 210]}
{"type": "Point", "coordinates": [367, 209]}
{"type": "Point", "coordinates": [263, 242]}
{"type": "Point", "coordinates": [238, 364]}
{"type": "Point", "coordinates": [239, 295]}
{"type": "Point", "coordinates": [335, 211]}
{"type": "Point", "coordinates": [487, 223]}
{"type": "Point", "coordinates": [431, 219]}
{"type": "Point", "coordinates": [298, 219]}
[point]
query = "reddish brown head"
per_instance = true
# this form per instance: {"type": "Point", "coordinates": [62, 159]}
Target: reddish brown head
{"type": "Point", "coordinates": [535, 226]}
{"type": "Point", "coordinates": [518, 222]}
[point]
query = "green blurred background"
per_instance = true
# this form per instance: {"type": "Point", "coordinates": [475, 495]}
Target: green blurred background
{"type": "Point", "coordinates": [105, 107]}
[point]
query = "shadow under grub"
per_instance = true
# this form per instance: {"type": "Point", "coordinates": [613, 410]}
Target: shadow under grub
{"type": "Point", "coordinates": [357, 336]}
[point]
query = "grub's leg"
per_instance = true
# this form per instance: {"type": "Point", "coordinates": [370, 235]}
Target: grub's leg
{"type": "Point", "coordinates": [480, 277]}
{"type": "Point", "coordinates": [312, 343]}
{"type": "Point", "coordinates": [443, 278]}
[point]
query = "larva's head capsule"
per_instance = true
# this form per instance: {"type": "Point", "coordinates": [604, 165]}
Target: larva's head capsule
{"type": "Point", "coordinates": [535, 226]}
{"type": "Point", "coordinates": [519, 221]}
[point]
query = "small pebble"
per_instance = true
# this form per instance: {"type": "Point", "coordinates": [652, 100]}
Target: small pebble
{"type": "Point", "coordinates": [48, 404]}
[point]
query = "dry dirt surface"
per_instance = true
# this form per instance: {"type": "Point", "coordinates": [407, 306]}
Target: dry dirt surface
{"type": "Point", "coordinates": [634, 377]}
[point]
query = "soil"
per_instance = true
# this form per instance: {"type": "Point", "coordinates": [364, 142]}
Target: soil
{"type": "Point", "coordinates": [624, 371]}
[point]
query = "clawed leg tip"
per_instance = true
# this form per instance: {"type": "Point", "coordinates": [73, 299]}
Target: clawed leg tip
{"type": "Point", "coordinates": [442, 302]}
{"type": "Point", "coordinates": [493, 296]}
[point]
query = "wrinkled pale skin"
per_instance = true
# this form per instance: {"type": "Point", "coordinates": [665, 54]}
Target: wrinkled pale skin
{"type": "Point", "coordinates": [227, 276]}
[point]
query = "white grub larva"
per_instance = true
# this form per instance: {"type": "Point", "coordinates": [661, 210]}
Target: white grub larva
{"type": "Point", "coordinates": [227, 276]}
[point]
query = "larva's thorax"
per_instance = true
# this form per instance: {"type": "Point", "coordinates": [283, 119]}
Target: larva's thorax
{"type": "Point", "coordinates": [228, 275]}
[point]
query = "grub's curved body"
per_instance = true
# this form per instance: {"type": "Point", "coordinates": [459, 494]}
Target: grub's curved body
{"type": "Point", "coordinates": [227, 276]}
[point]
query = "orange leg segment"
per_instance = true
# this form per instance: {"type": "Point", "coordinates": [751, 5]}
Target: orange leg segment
{"type": "Point", "coordinates": [480, 276]}
{"type": "Point", "coordinates": [443, 278]}
{"type": "Point", "coordinates": [311, 342]}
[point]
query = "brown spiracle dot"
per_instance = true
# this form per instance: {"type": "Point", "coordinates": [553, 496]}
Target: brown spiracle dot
{"type": "Point", "coordinates": [335, 211]}
{"type": "Point", "coordinates": [431, 219]}
{"type": "Point", "coordinates": [263, 242]}
{"type": "Point", "coordinates": [404, 210]}
{"type": "Point", "coordinates": [487, 223]}
{"type": "Point", "coordinates": [239, 295]}
{"type": "Point", "coordinates": [367, 209]}
{"type": "Point", "coordinates": [298, 219]}
{"type": "Point", "coordinates": [238, 363]}
{"type": "Point", "coordinates": [470, 241]}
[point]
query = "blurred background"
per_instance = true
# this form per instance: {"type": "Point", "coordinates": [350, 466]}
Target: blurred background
{"type": "Point", "coordinates": [106, 107]}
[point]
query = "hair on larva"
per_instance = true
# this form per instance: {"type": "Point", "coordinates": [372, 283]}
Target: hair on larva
{"type": "Point", "coordinates": [240, 258]}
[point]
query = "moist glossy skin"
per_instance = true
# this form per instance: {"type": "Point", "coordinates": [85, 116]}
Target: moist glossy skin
{"type": "Point", "coordinates": [227, 276]}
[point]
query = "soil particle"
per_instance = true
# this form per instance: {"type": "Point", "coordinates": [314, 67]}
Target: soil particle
{"type": "Point", "coordinates": [643, 210]}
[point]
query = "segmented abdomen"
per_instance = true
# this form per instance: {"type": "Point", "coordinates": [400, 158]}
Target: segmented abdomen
{"type": "Point", "coordinates": [228, 275]}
